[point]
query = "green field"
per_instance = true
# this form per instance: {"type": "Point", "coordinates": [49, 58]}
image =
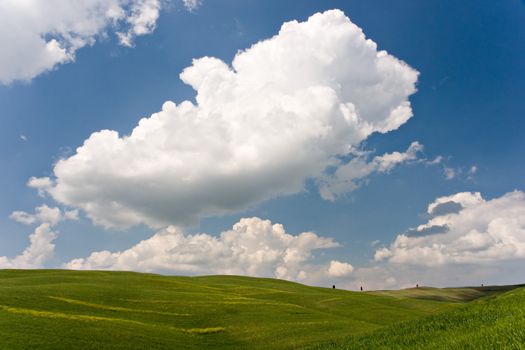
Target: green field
{"type": "Point", "coordinates": [55, 309]}
{"type": "Point", "coordinates": [494, 322]}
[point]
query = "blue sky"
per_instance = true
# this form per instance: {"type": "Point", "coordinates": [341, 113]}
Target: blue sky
{"type": "Point", "coordinates": [468, 110]}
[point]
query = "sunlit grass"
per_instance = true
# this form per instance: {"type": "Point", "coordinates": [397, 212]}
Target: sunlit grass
{"type": "Point", "coordinates": [497, 322]}
{"type": "Point", "coordinates": [53, 309]}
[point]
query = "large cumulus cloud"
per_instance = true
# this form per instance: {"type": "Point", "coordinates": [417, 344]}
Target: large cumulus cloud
{"type": "Point", "coordinates": [478, 231]}
{"type": "Point", "coordinates": [468, 240]}
{"type": "Point", "coordinates": [282, 113]}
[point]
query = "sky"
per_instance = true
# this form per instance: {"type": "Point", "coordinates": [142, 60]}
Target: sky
{"type": "Point", "coordinates": [375, 143]}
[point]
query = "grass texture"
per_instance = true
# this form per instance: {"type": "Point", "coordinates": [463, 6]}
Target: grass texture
{"type": "Point", "coordinates": [56, 309]}
{"type": "Point", "coordinates": [494, 321]}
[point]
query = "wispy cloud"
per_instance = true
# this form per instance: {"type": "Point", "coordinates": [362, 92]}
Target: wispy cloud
{"type": "Point", "coordinates": [450, 173]}
{"type": "Point", "coordinates": [352, 175]}
{"type": "Point", "coordinates": [192, 5]}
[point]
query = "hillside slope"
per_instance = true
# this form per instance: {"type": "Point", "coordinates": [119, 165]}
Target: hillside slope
{"type": "Point", "coordinates": [494, 322]}
{"type": "Point", "coordinates": [447, 294]}
{"type": "Point", "coordinates": [55, 309]}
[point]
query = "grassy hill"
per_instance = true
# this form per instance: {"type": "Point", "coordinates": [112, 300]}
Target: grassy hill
{"type": "Point", "coordinates": [494, 322]}
{"type": "Point", "coordinates": [447, 294]}
{"type": "Point", "coordinates": [54, 309]}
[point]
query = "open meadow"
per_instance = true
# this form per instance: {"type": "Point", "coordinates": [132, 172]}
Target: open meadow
{"type": "Point", "coordinates": [56, 309]}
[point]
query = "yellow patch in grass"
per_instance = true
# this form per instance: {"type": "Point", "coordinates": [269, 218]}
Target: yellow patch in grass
{"type": "Point", "coordinates": [49, 314]}
{"type": "Point", "coordinates": [114, 308]}
{"type": "Point", "coordinates": [210, 330]}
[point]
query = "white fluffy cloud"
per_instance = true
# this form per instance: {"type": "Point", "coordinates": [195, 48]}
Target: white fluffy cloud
{"type": "Point", "coordinates": [44, 214]}
{"type": "Point", "coordinates": [339, 269]}
{"type": "Point", "coordinates": [41, 184]}
{"type": "Point", "coordinates": [141, 20]}
{"type": "Point", "coordinates": [467, 241]}
{"type": "Point", "coordinates": [350, 176]}
{"type": "Point", "coordinates": [464, 229]}
{"type": "Point", "coordinates": [252, 247]}
{"type": "Point", "coordinates": [41, 248]}
{"type": "Point", "coordinates": [283, 112]}
{"type": "Point", "coordinates": [38, 35]}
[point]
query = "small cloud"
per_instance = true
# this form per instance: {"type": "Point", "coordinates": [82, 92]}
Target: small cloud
{"type": "Point", "coordinates": [471, 172]}
{"type": "Point", "coordinates": [450, 173]}
{"type": "Point", "coordinates": [375, 243]}
{"type": "Point", "coordinates": [142, 20]}
{"type": "Point", "coordinates": [42, 184]}
{"type": "Point", "coordinates": [192, 5]}
{"type": "Point", "coordinates": [434, 161]}
{"type": "Point", "coordinates": [339, 269]}
{"type": "Point", "coordinates": [23, 137]}
{"type": "Point", "coordinates": [44, 215]}
{"type": "Point", "coordinates": [22, 217]}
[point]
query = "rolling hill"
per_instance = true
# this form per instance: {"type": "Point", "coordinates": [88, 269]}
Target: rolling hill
{"type": "Point", "coordinates": [57, 309]}
{"type": "Point", "coordinates": [496, 321]}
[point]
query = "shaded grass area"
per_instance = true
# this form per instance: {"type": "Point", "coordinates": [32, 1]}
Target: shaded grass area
{"type": "Point", "coordinates": [447, 294]}
{"type": "Point", "coordinates": [56, 309]}
{"type": "Point", "coordinates": [493, 322]}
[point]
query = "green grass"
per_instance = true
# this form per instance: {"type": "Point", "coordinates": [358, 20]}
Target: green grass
{"type": "Point", "coordinates": [496, 321]}
{"type": "Point", "coordinates": [55, 309]}
{"type": "Point", "coordinates": [446, 294]}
